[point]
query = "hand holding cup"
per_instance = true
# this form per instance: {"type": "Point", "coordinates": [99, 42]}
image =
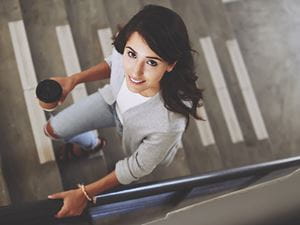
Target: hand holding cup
{"type": "Point", "coordinates": [52, 92]}
{"type": "Point", "coordinates": [49, 93]}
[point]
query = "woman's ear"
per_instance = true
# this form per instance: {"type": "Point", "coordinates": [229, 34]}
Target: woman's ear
{"type": "Point", "coordinates": [171, 67]}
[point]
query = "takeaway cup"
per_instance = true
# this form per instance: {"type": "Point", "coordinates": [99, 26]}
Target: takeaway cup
{"type": "Point", "coordinates": [49, 93]}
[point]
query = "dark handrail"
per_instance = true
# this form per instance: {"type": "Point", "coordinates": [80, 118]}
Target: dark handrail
{"type": "Point", "coordinates": [43, 211]}
{"type": "Point", "coordinates": [189, 182]}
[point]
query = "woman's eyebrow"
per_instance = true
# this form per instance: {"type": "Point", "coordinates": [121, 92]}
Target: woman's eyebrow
{"type": "Point", "coordinates": [150, 57]}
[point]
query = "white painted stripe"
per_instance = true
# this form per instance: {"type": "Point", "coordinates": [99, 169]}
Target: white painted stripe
{"type": "Point", "coordinates": [28, 80]}
{"type": "Point", "coordinates": [180, 145]}
{"type": "Point", "coordinates": [221, 90]}
{"type": "Point", "coordinates": [229, 1]}
{"type": "Point", "coordinates": [70, 58]}
{"type": "Point", "coordinates": [204, 128]}
{"type": "Point", "coordinates": [38, 120]}
{"type": "Point", "coordinates": [71, 61]}
{"type": "Point", "coordinates": [247, 90]}
{"type": "Point", "coordinates": [105, 36]}
{"type": "Point", "coordinates": [23, 55]}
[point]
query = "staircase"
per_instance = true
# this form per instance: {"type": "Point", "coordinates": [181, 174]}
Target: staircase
{"type": "Point", "coordinates": [245, 65]}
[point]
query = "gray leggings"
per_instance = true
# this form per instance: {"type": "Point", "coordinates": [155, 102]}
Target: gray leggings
{"type": "Point", "coordinates": [77, 123]}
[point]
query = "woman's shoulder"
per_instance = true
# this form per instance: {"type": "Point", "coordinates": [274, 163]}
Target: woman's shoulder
{"type": "Point", "coordinates": [177, 122]}
{"type": "Point", "coordinates": [114, 59]}
{"type": "Point", "coordinates": [170, 121]}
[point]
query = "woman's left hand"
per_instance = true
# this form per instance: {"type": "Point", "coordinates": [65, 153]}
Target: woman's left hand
{"type": "Point", "coordinates": [74, 203]}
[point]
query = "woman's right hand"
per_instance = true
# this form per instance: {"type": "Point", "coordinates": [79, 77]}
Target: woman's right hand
{"type": "Point", "coordinates": [67, 84]}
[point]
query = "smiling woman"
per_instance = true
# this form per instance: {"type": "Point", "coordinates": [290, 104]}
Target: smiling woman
{"type": "Point", "coordinates": [162, 36]}
{"type": "Point", "coordinates": [151, 95]}
{"type": "Point", "coordinates": [143, 68]}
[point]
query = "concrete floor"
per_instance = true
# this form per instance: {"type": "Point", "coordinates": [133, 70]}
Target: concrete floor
{"type": "Point", "coordinates": [25, 177]}
{"type": "Point", "coordinates": [267, 32]}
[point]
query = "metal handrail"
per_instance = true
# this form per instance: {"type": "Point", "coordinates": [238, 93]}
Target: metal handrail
{"type": "Point", "coordinates": [44, 210]}
{"type": "Point", "coordinates": [189, 182]}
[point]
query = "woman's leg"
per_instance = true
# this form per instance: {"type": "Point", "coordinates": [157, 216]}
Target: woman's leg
{"type": "Point", "coordinates": [76, 123]}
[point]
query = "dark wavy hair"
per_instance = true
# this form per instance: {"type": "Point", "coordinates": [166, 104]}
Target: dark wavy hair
{"type": "Point", "coordinates": [165, 33]}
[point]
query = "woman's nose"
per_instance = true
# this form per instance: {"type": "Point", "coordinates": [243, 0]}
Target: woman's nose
{"type": "Point", "coordinates": [138, 69]}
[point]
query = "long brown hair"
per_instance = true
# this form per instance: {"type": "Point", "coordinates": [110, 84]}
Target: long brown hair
{"type": "Point", "coordinates": [166, 34]}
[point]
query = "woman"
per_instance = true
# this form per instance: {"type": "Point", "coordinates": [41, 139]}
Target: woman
{"type": "Point", "coordinates": [151, 95]}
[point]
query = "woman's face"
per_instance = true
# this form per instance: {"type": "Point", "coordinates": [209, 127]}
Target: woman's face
{"type": "Point", "coordinates": [143, 68]}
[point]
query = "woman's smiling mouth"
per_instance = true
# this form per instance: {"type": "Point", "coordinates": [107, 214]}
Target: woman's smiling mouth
{"type": "Point", "coordinates": [136, 81]}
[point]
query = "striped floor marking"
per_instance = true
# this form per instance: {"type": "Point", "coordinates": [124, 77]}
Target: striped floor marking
{"type": "Point", "coordinates": [28, 80]}
{"type": "Point", "coordinates": [70, 58]}
{"type": "Point", "coordinates": [221, 89]}
{"type": "Point", "coordinates": [105, 36]}
{"type": "Point", "coordinates": [247, 89]}
{"type": "Point", "coordinates": [229, 1]}
{"type": "Point", "coordinates": [71, 61]}
{"type": "Point", "coordinates": [204, 128]}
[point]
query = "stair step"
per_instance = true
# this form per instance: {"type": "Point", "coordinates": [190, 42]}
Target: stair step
{"type": "Point", "coordinates": [238, 145]}
{"type": "Point", "coordinates": [58, 44]}
{"type": "Point", "coordinates": [92, 38]}
{"type": "Point", "coordinates": [28, 80]}
{"type": "Point", "coordinates": [203, 154]}
{"type": "Point", "coordinates": [165, 3]}
{"type": "Point", "coordinates": [4, 194]}
{"type": "Point", "coordinates": [83, 171]}
{"type": "Point", "coordinates": [85, 19]}
{"type": "Point", "coordinates": [119, 12]}
{"type": "Point", "coordinates": [271, 53]}
{"type": "Point", "coordinates": [26, 178]}
{"type": "Point", "coordinates": [256, 146]}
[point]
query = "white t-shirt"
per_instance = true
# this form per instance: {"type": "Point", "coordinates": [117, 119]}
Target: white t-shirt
{"type": "Point", "coordinates": [127, 99]}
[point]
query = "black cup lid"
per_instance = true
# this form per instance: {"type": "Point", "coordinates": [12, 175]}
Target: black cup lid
{"type": "Point", "coordinates": [48, 91]}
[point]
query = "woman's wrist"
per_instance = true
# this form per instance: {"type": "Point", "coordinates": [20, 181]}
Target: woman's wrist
{"type": "Point", "coordinates": [93, 189]}
{"type": "Point", "coordinates": [104, 184]}
{"type": "Point", "coordinates": [85, 193]}
{"type": "Point", "coordinates": [76, 79]}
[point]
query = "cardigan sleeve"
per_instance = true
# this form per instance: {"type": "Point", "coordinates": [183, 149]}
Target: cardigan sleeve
{"type": "Point", "coordinates": [149, 154]}
{"type": "Point", "coordinates": [108, 60]}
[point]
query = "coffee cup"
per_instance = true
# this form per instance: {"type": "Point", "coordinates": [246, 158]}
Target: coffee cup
{"type": "Point", "coordinates": [49, 93]}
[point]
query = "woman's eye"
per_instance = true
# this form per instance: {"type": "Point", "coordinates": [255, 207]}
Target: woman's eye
{"type": "Point", "coordinates": [152, 63]}
{"type": "Point", "coordinates": [131, 54]}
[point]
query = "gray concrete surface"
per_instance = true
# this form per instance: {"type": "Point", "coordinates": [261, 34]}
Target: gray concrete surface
{"type": "Point", "coordinates": [120, 11]}
{"type": "Point", "coordinates": [40, 20]}
{"type": "Point", "coordinates": [268, 33]}
{"type": "Point", "coordinates": [231, 154]}
{"type": "Point", "coordinates": [85, 18]}
{"type": "Point", "coordinates": [26, 179]}
{"type": "Point", "coordinates": [4, 194]}
{"type": "Point", "coordinates": [220, 30]}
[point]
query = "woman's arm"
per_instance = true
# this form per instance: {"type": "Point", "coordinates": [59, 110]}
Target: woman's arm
{"type": "Point", "coordinates": [148, 155]}
{"type": "Point", "coordinates": [105, 183]}
{"type": "Point", "coordinates": [75, 200]}
{"type": "Point", "coordinates": [153, 149]}
{"type": "Point", "coordinates": [100, 71]}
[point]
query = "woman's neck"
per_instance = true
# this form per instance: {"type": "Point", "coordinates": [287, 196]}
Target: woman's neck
{"type": "Point", "coordinates": [150, 92]}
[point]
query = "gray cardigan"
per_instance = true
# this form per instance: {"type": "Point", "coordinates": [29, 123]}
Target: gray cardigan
{"type": "Point", "coordinates": [151, 133]}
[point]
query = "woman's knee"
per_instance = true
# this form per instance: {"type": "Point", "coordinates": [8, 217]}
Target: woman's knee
{"type": "Point", "coordinates": [49, 132]}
